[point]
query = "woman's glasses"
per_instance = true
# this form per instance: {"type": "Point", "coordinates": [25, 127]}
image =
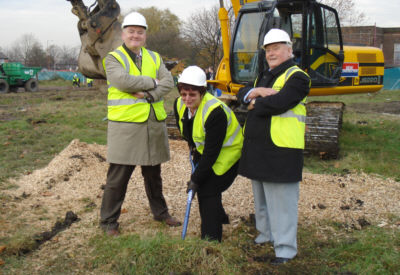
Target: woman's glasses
{"type": "Point", "coordinates": [189, 94]}
{"type": "Point", "coordinates": [187, 90]}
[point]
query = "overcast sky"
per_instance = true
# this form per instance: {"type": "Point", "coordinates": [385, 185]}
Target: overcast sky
{"type": "Point", "coordinates": [51, 21]}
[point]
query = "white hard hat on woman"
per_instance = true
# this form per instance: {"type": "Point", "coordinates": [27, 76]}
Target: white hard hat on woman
{"type": "Point", "coordinates": [193, 75]}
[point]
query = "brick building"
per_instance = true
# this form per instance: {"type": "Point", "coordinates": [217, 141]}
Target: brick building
{"type": "Point", "coordinates": [388, 39]}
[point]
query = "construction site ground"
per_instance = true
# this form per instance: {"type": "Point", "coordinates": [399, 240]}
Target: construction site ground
{"type": "Point", "coordinates": [73, 181]}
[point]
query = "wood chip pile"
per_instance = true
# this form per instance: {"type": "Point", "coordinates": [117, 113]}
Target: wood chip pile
{"type": "Point", "coordinates": [72, 182]}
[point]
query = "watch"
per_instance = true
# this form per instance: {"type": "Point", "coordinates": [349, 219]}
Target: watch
{"type": "Point", "coordinates": [147, 97]}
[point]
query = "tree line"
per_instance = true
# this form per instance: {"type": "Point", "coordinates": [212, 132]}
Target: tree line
{"type": "Point", "coordinates": [30, 52]}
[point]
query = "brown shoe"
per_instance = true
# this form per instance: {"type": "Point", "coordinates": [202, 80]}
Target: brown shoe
{"type": "Point", "coordinates": [112, 233]}
{"type": "Point", "coordinates": [171, 221]}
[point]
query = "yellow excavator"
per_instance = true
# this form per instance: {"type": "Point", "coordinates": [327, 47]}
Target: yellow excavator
{"type": "Point", "coordinates": [317, 46]}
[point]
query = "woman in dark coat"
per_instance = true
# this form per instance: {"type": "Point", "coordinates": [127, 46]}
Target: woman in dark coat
{"type": "Point", "coordinates": [215, 140]}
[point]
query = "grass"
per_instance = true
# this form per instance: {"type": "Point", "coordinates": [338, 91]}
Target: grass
{"type": "Point", "coordinates": [321, 251]}
{"type": "Point", "coordinates": [369, 141]}
{"type": "Point", "coordinates": [161, 255]}
{"type": "Point", "coordinates": [36, 126]}
{"type": "Point", "coordinates": [368, 251]}
{"type": "Point", "coordinates": [59, 82]}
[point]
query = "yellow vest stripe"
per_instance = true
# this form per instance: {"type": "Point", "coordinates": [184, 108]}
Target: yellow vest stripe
{"type": "Point", "coordinates": [232, 146]}
{"type": "Point", "coordinates": [207, 106]}
{"type": "Point", "coordinates": [290, 113]}
{"type": "Point", "coordinates": [126, 107]}
{"type": "Point", "coordinates": [230, 141]}
{"type": "Point", "coordinates": [124, 59]}
{"type": "Point", "coordinates": [288, 129]}
{"type": "Point", "coordinates": [125, 101]}
{"type": "Point", "coordinates": [289, 72]}
{"type": "Point", "coordinates": [286, 132]}
{"type": "Point", "coordinates": [152, 54]}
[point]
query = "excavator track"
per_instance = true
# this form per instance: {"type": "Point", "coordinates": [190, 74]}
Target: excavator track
{"type": "Point", "coordinates": [323, 124]}
{"type": "Point", "coordinates": [173, 132]}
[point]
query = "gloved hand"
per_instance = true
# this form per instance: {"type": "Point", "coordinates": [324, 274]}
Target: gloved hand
{"type": "Point", "coordinates": [191, 185]}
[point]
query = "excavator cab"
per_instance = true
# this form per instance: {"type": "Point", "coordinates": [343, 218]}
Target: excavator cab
{"type": "Point", "coordinates": [313, 27]}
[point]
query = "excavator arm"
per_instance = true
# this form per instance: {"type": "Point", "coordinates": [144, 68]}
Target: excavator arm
{"type": "Point", "coordinates": [99, 31]}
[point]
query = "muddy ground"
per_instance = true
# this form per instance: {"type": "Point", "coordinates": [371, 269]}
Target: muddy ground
{"type": "Point", "coordinates": [390, 107]}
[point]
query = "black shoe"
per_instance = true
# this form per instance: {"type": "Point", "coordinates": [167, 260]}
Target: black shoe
{"type": "Point", "coordinates": [225, 219]}
{"type": "Point", "coordinates": [112, 233]}
{"type": "Point", "coordinates": [279, 261]}
{"type": "Point", "coordinates": [172, 222]}
{"type": "Point", "coordinates": [263, 259]}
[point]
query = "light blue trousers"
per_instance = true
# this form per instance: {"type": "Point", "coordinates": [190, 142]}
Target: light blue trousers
{"type": "Point", "coordinates": [276, 215]}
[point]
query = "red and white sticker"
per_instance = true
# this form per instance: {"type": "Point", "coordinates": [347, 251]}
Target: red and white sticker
{"type": "Point", "coordinates": [350, 69]}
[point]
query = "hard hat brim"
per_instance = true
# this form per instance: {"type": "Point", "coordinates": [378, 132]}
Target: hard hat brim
{"type": "Point", "coordinates": [278, 42]}
{"type": "Point", "coordinates": [124, 26]}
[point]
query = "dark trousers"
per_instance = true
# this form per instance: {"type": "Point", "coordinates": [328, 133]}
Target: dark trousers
{"type": "Point", "coordinates": [212, 215]}
{"type": "Point", "coordinates": [115, 189]}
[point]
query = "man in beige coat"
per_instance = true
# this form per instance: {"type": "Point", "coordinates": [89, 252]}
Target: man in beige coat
{"type": "Point", "coordinates": [137, 135]}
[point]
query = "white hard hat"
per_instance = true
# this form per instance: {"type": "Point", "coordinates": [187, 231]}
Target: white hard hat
{"type": "Point", "coordinates": [276, 36]}
{"type": "Point", "coordinates": [134, 19]}
{"type": "Point", "coordinates": [193, 75]}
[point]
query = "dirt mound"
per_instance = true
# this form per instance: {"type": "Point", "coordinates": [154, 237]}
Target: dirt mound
{"type": "Point", "coordinates": [72, 182]}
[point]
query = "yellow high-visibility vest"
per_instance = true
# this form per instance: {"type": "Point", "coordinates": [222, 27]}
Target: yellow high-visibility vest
{"type": "Point", "coordinates": [124, 106]}
{"type": "Point", "coordinates": [288, 129]}
{"type": "Point", "coordinates": [233, 141]}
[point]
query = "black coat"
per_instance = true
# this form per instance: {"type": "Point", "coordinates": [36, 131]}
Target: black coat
{"type": "Point", "coordinates": [261, 158]}
{"type": "Point", "coordinates": [216, 125]}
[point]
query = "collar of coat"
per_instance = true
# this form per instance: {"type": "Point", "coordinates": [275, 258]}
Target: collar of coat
{"type": "Point", "coordinates": [131, 54]}
{"type": "Point", "coordinates": [277, 71]}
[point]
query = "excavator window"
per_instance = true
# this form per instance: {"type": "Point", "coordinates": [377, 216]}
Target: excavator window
{"type": "Point", "coordinates": [245, 47]}
{"type": "Point", "coordinates": [324, 55]}
{"type": "Point", "coordinates": [313, 27]}
{"type": "Point", "coordinates": [316, 37]}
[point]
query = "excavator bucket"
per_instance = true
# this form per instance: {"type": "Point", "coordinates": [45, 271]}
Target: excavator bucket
{"type": "Point", "coordinates": [100, 33]}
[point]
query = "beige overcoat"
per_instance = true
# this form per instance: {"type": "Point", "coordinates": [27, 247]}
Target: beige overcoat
{"type": "Point", "coordinates": [138, 143]}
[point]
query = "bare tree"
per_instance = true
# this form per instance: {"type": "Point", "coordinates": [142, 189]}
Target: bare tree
{"type": "Point", "coordinates": [68, 58]}
{"type": "Point", "coordinates": [13, 54]}
{"type": "Point", "coordinates": [36, 56]}
{"type": "Point", "coordinates": [203, 33]}
{"type": "Point", "coordinates": [25, 45]}
{"type": "Point", "coordinates": [53, 53]}
{"type": "Point", "coordinates": [349, 15]}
